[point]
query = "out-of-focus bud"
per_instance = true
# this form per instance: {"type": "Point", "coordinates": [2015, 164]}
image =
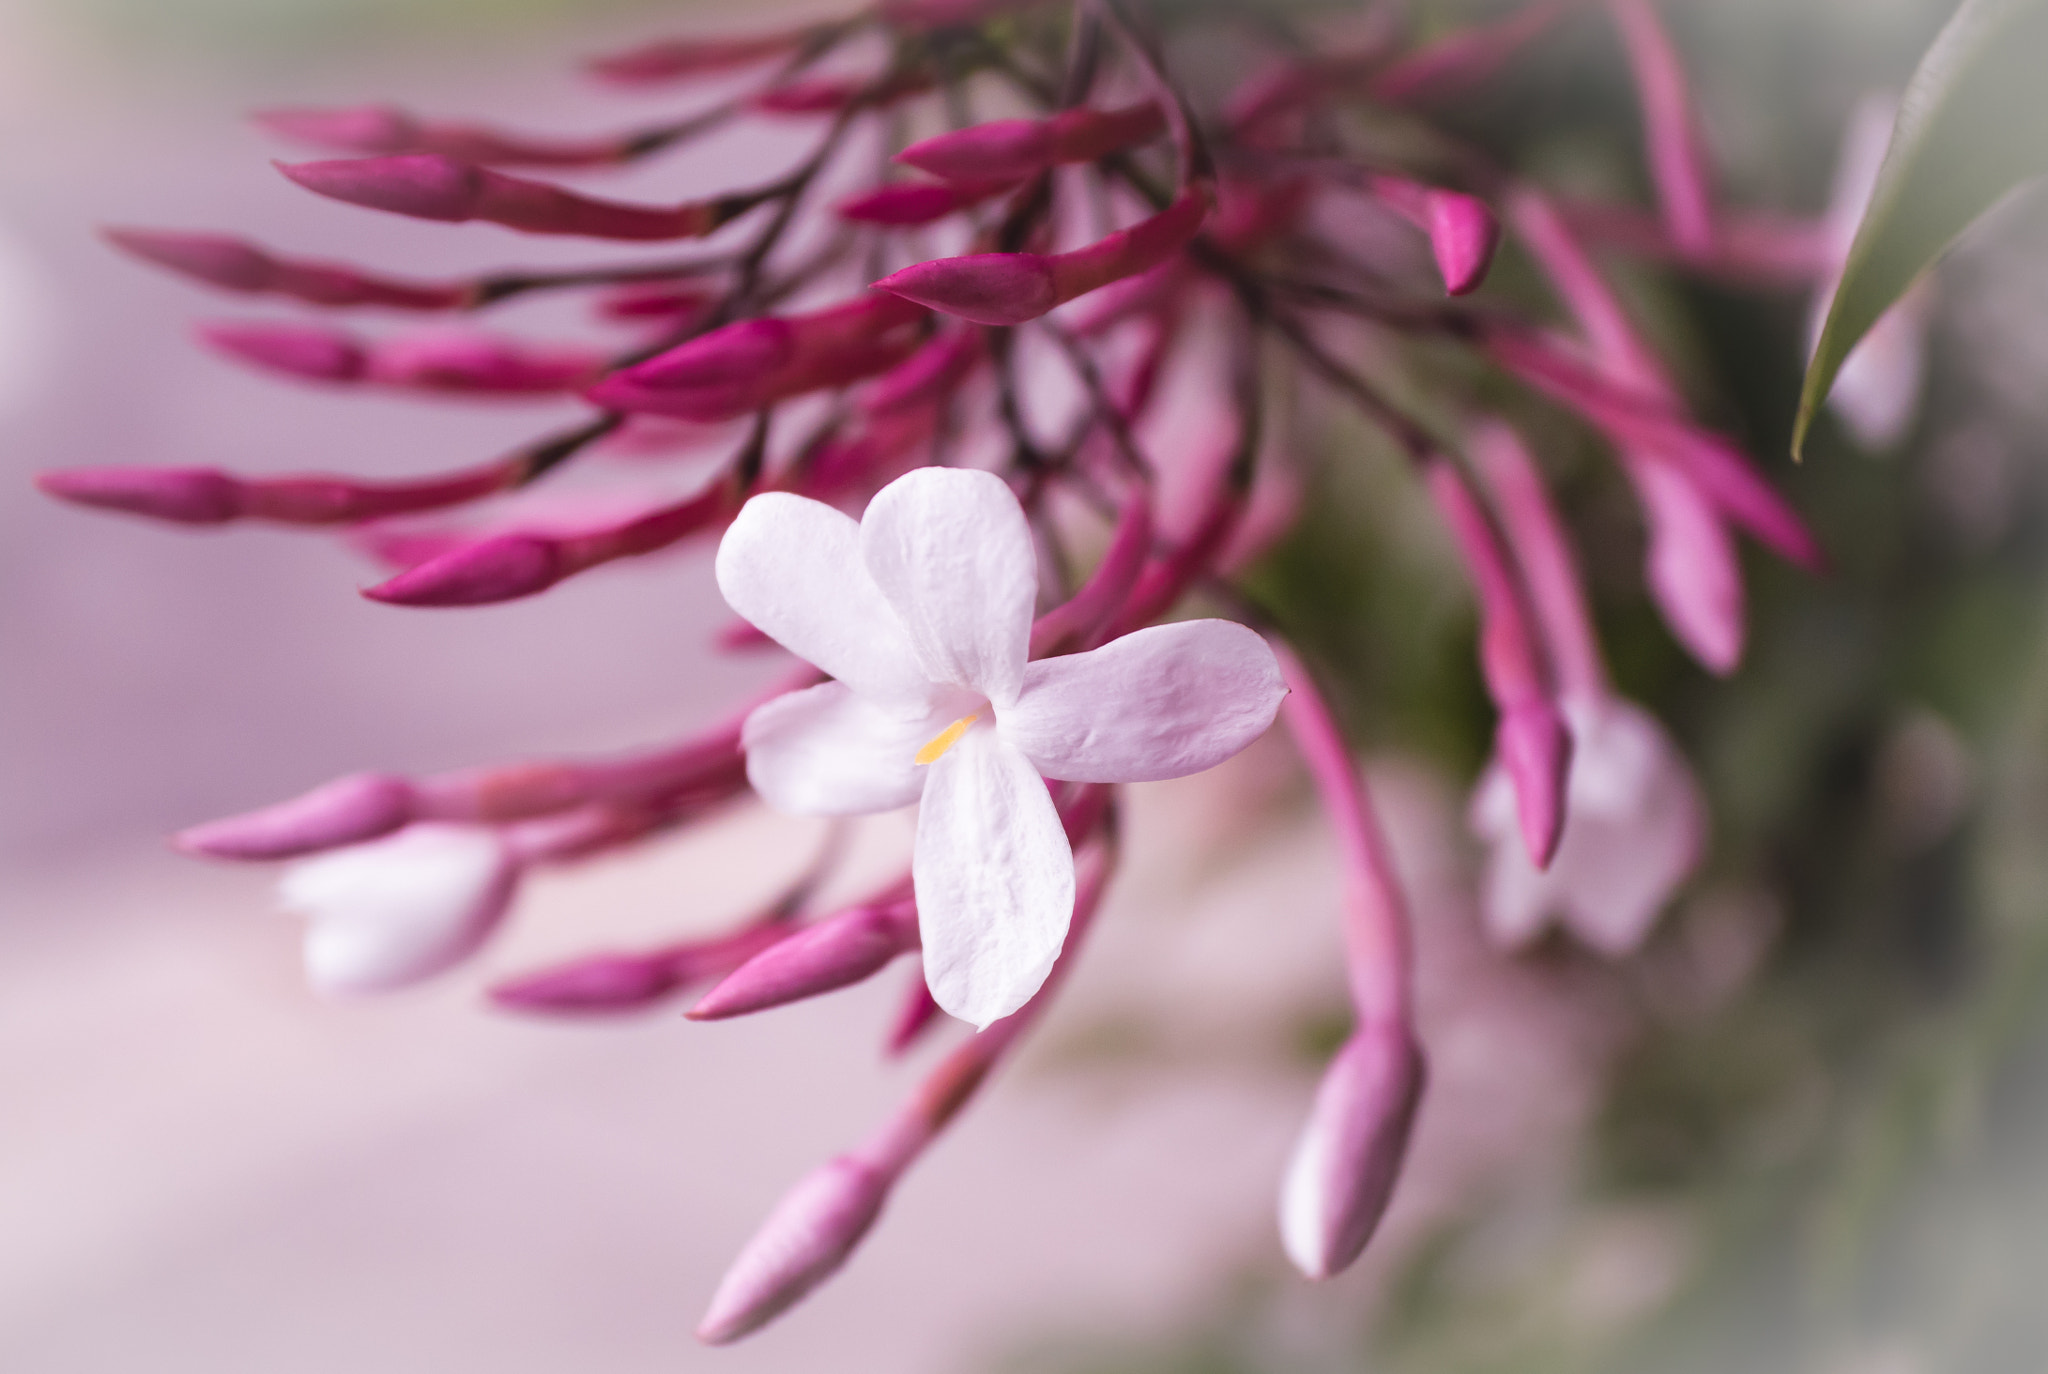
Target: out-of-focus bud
{"type": "Point", "coordinates": [500, 569]}
{"type": "Point", "coordinates": [447, 361]}
{"type": "Point", "coordinates": [673, 59]}
{"type": "Point", "coordinates": [838, 951]}
{"type": "Point", "coordinates": [912, 203]}
{"type": "Point", "coordinates": [431, 186]}
{"type": "Point", "coordinates": [1535, 748]}
{"type": "Point", "coordinates": [189, 496]}
{"type": "Point", "coordinates": [1463, 230]}
{"type": "Point", "coordinates": [1690, 565]}
{"type": "Point", "coordinates": [237, 265]}
{"type": "Point", "coordinates": [385, 129]}
{"type": "Point", "coordinates": [1013, 288]}
{"type": "Point", "coordinates": [1670, 134]}
{"type": "Point", "coordinates": [398, 910]}
{"type": "Point", "coordinates": [830, 95]}
{"type": "Point", "coordinates": [1350, 1152]}
{"type": "Point", "coordinates": [1013, 149]}
{"type": "Point", "coordinates": [804, 1240]}
{"type": "Point", "coordinates": [605, 983]}
{"type": "Point", "coordinates": [362, 806]}
{"type": "Point", "coordinates": [653, 300]}
{"type": "Point", "coordinates": [310, 351]}
{"type": "Point", "coordinates": [928, 375]}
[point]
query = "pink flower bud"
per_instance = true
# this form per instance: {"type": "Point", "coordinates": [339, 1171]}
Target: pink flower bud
{"type": "Point", "coordinates": [471, 362]}
{"type": "Point", "coordinates": [602, 983]}
{"type": "Point", "coordinates": [1463, 231]}
{"type": "Point", "coordinates": [310, 351]}
{"type": "Point", "coordinates": [802, 1243]}
{"type": "Point", "coordinates": [401, 909]}
{"type": "Point", "coordinates": [362, 806]}
{"type": "Point", "coordinates": [912, 203]}
{"type": "Point", "coordinates": [1670, 136]}
{"type": "Point", "coordinates": [430, 186]}
{"type": "Point", "coordinates": [830, 95]}
{"type": "Point", "coordinates": [1013, 288]}
{"type": "Point", "coordinates": [1690, 565]}
{"type": "Point", "coordinates": [385, 129]}
{"type": "Point", "coordinates": [1535, 748]}
{"type": "Point", "coordinates": [236, 265]}
{"type": "Point", "coordinates": [838, 951]}
{"type": "Point", "coordinates": [1349, 1155]}
{"type": "Point", "coordinates": [918, 1014]}
{"type": "Point", "coordinates": [929, 375]}
{"type": "Point", "coordinates": [673, 58]}
{"type": "Point", "coordinates": [190, 496]}
{"type": "Point", "coordinates": [504, 568]}
{"type": "Point", "coordinates": [1013, 149]}
{"type": "Point", "coordinates": [653, 300]}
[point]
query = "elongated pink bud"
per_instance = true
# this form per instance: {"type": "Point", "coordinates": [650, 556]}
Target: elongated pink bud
{"type": "Point", "coordinates": [801, 1244]}
{"type": "Point", "coordinates": [836, 952]}
{"type": "Point", "coordinates": [1081, 617]}
{"type": "Point", "coordinates": [430, 186]}
{"type": "Point", "coordinates": [189, 496]}
{"type": "Point", "coordinates": [1013, 149]}
{"type": "Point", "coordinates": [654, 300]}
{"type": "Point", "coordinates": [506, 567]}
{"type": "Point", "coordinates": [1350, 1152]}
{"type": "Point", "coordinates": [1013, 288]}
{"type": "Point", "coordinates": [446, 361]}
{"type": "Point", "coordinates": [912, 203]}
{"type": "Point", "coordinates": [675, 58]}
{"type": "Point", "coordinates": [927, 376]}
{"type": "Point", "coordinates": [918, 1014]}
{"type": "Point", "coordinates": [1531, 737]}
{"type": "Point", "coordinates": [1463, 230]}
{"type": "Point", "coordinates": [1542, 551]}
{"type": "Point", "coordinates": [1464, 58]}
{"type": "Point", "coordinates": [609, 983]}
{"type": "Point", "coordinates": [310, 351]}
{"type": "Point", "coordinates": [237, 265]}
{"type": "Point", "coordinates": [830, 95]}
{"type": "Point", "coordinates": [1690, 565]}
{"type": "Point", "coordinates": [362, 806]}
{"type": "Point", "coordinates": [1670, 134]}
{"type": "Point", "coordinates": [386, 129]}
{"type": "Point", "coordinates": [754, 363]}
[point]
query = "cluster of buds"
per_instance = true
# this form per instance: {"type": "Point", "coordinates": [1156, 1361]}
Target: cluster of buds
{"type": "Point", "coordinates": [895, 469]}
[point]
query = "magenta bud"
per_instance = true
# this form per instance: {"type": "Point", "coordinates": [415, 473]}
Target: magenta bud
{"type": "Point", "coordinates": [1463, 234]}
{"type": "Point", "coordinates": [1536, 749]}
{"type": "Point", "coordinates": [362, 806]}
{"type": "Point", "coordinates": [836, 952]}
{"type": "Point", "coordinates": [802, 1243]}
{"type": "Point", "coordinates": [674, 58]}
{"type": "Point", "coordinates": [214, 258]}
{"type": "Point", "coordinates": [355, 128]}
{"type": "Point", "coordinates": [324, 355]}
{"type": "Point", "coordinates": [983, 288]}
{"type": "Point", "coordinates": [190, 496]}
{"type": "Point", "coordinates": [1018, 148]}
{"type": "Point", "coordinates": [503, 568]}
{"type": "Point", "coordinates": [927, 375]}
{"type": "Point", "coordinates": [423, 185]}
{"type": "Point", "coordinates": [476, 363]}
{"type": "Point", "coordinates": [602, 983]}
{"type": "Point", "coordinates": [914, 203]}
{"type": "Point", "coordinates": [1349, 1155]}
{"type": "Point", "coordinates": [656, 300]}
{"type": "Point", "coordinates": [738, 352]}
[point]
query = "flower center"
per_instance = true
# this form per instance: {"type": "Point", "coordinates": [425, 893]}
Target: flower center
{"type": "Point", "coordinates": [936, 747]}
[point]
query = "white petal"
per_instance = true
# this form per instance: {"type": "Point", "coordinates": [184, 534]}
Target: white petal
{"type": "Point", "coordinates": [994, 878]}
{"type": "Point", "coordinates": [792, 567]}
{"type": "Point", "coordinates": [952, 552]}
{"type": "Point", "coordinates": [400, 909]}
{"type": "Point", "coordinates": [1161, 703]}
{"type": "Point", "coordinates": [825, 751]}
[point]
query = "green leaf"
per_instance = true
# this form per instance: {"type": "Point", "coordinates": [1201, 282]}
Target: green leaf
{"type": "Point", "coordinates": [1972, 125]}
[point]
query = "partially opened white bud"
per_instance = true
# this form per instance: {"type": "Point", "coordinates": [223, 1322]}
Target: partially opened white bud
{"type": "Point", "coordinates": [1349, 1154]}
{"type": "Point", "coordinates": [398, 910]}
{"type": "Point", "coordinates": [804, 1240]}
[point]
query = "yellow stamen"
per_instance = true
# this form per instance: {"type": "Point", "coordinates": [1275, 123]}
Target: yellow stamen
{"type": "Point", "coordinates": [945, 739]}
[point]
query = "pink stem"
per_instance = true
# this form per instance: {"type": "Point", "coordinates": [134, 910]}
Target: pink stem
{"type": "Point", "coordinates": [1542, 551]}
{"type": "Point", "coordinates": [1106, 590]}
{"type": "Point", "coordinates": [1670, 134]}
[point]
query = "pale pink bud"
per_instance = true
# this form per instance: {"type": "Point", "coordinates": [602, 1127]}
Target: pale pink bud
{"type": "Point", "coordinates": [1690, 566]}
{"type": "Point", "coordinates": [1535, 748]}
{"type": "Point", "coordinates": [190, 496]}
{"type": "Point", "coordinates": [802, 1243]}
{"type": "Point", "coordinates": [430, 186]}
{"type": "Point", "coordinates": [362, 806]}
{"type": "Point", "coordinates": [310, 351]}
{"type": "Point", "coordinates": [237, 265]}
{"type": "Point", "coordinates": [673, 58]}
{"type": "Point", "coordinates": [912, 203]}
{"type": "Point", "coordinates": [1677, 167]}
{"type": "Point", "coordinates": [837, 952]}
{"type": "Point", "coordinates": [401, 909]}
{"type": "Point", "coordinates": [1013, 149]}
{"type": "Point", "coordinates": [387, 129]}
{"type": "Point", "coordinates": [1350, 1152]}
{"type": "Point", "coordinates": [503, 568]}
{"type": "Point", "coordinates": [1013, 288]}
